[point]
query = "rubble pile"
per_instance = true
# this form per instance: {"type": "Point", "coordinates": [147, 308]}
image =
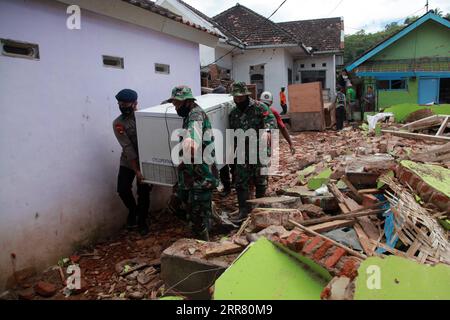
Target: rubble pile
{"type": "Point", "coordinates": [345, 197]}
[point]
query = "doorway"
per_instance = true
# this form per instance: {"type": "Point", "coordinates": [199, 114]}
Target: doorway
{"type": "Point", "coordinates": [444, 91]}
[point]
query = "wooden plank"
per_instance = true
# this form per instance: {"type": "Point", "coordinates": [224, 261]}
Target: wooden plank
{"type": "Point", "coordinates": [337, 244]}
{"type": "Point", "coordinates": [332, 225]}
{"type": "Point", "coordinates": [223, 249]}
{"type": "Point", "coordinates": [305, 97]}
{"type": "Point", "coordinates": [358, 198]}
{"type": "Point", "coordinates": [413, 249]}
{"type": "Point", "coordinates": [443, 127]}
{"type": "Point", "coordinates": [417, 136]}
{"type": "Point", "coordinates": [364, 240]}
{"type": "Point", "coordinates": [341, 217]}
{"type": "Point", "coordinates": [418, 122]}
{"type": "Point", "coordinates": [370, 191]}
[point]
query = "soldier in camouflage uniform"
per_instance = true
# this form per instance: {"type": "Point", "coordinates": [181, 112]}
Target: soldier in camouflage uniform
{"type": "Point", "coordinates": [196, 182]}
{"type": "Point", "coordinates": [249, 114]}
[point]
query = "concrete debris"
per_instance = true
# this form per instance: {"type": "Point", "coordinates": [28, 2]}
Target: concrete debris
{"type": "Point", "coordinates": [331, 233]}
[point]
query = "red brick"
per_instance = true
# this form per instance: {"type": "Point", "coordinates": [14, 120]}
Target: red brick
{"type": "Point", "coordinates": [292, 239]}
{"type": "Point", "coordinates": [309, 248]}
{"type": "Point", "coordinates": [321, 252]}
{"type": "Point", "coordinates": [45, 289]}
{"type": "Point", "coordinates": [369, 200]}
{"type": "Point", "coordinates": [284, 242]}
{"type": "Point", "coordinates": [326, 293]}
{"type": "Point", "coordinates": [441, 201]}
{"type": "Point", "coordinates": [335, 257]}
{"type": "Point", "coordinates": [350, 269]}
{"type": "Point", "coordinates": [301, 243]}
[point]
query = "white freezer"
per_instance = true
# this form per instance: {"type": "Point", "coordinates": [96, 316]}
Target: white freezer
{"type": "Point", "coordinates": [155, 126]}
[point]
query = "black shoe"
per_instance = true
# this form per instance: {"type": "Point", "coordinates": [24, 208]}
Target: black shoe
{"type": "Point", "coordinates": [131, 222]}
{"type": "Point", "coordinates": [143, 230]}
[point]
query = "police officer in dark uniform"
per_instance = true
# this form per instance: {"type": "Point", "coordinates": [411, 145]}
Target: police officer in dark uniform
{"type": "Point", "coordinates": [125, 131]}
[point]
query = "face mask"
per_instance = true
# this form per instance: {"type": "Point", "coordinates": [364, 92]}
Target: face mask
{"type": "Point", "coordinates": [126, 111]}
{"type": "Point", "coordinates": [244, 104]}
{"type": "Point", "coordinates": [183, 111]}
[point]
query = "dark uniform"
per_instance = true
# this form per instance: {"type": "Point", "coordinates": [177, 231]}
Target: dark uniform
{"type": "Point", "coordinates": [255, 115]}
{"type": "Point", "coordinates": [196, 182]}
{"type": "Point", "coordinates": [125, 130]}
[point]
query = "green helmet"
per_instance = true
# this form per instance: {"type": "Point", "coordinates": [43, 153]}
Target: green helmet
{"type": "Point", "coordinates": [181, 93]}
{"type": "Point", "coordinates": [240, 89]}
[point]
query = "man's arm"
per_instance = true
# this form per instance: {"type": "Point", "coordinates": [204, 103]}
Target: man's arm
{"type": "Point", "coordinates": [128, 150]}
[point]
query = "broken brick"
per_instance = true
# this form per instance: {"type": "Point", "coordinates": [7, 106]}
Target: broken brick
{"type": "Point", "coordinates": [350, 268]}
{"type": "Point", "coordinates": [309, 248]}
{"type": "Point", "coordinates": [320, 253]}
{"type": "Point", "coordinates": [335, 257]}
{"type": "Point", "coordinates": [45, 289]}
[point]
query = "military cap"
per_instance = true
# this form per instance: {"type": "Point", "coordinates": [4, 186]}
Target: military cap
{"type": "Point", "coordinates": [181, 93]}
{"type": "Point", "coordinates": [127, 95]}
{"type": "Point", "coordinates": [240, 89]}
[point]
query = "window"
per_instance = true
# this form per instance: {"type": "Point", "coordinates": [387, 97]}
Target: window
{"type": "Point", "coordinates": [113, 62]}
{"type": "Point", "coordinates": [19, 49]}
{"type": "Point", "coordinates": [315, 76]}
{"type": "Point", "coordinates": [302, 66]}
{"type": "Point", "coordinates": [313, 65]}
{"type": "Point", "coordinates": [162, 68]}
{"type": "Point", "coordinates": [394, 84]}
{"type": "Point", "coordinates": [324, 64]}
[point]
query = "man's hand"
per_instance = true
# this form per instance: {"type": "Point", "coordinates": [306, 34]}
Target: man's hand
{"type": "Point", "coordinates": [292, 149]}
{"type": "Point", "coordinates": [139, 177]}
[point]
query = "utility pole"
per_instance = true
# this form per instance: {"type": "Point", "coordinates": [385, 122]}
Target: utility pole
{"type": "Point", "coordinates": [427, 5]}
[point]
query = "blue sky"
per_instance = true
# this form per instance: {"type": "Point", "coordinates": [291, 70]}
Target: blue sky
{"type": "Point", "coordinates": [371, 15]}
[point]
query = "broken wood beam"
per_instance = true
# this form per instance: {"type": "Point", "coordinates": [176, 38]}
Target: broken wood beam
{"type": "Point", "coordinates": [332, 225]}
{"type": "Point", "coordinates": [443, 127]}
{"type": "Point", "coordinates": [417, 136]}
{"type": "Point", "coordinates": [342, 217]}
{"type": "Point", "coordinates": [337, 244]}
{"type": "Point", "coordinates": [358, 198]}
{"type": "Point", "coordinates": [223, 249]}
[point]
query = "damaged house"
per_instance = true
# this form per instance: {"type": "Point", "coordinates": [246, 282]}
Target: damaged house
{"type": "Point", "coordinates": [412, 66]}
{"type": "Point", "coordinates": [59, 154]}
{"type": "Point", "coordinates": [271, 55]}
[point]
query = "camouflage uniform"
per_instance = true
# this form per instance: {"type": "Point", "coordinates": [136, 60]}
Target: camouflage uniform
{"type": "Point", "coordinates": [196, 182]}
{"type": "Point", "coordinates": [255, 116]}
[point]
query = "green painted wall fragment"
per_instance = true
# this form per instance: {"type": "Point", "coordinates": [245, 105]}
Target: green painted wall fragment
{"type": "Point", "coordinates": [396, 278]}
{"type": "Point", "coordinates": [403, 110]}
{"type": "Point", "coordinates": [320, 179]}
{"type": "Point", "coordinates": [303, 174]}
{"type": "Point", "coordinates": [436, 176]}
{"type": "Point", "coordinates": [264, 272]}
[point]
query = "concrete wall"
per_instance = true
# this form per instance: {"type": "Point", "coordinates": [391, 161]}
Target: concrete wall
{"type": "Point", "coordinates": [393, 97]}
{"type": "Point", "coordinates": [207, 55]}
{"type": "Point", "coordinates": [275, 70]}
{"type": "Point", "coordinates": [429, 40]}
{"type": "Point", "coordinates": [59, 154]}
{"type": "Point", "coordinates": [318, 60]}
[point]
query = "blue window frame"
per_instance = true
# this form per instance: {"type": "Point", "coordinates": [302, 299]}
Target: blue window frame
{"type": "Point", "coordinates": [392, 84]}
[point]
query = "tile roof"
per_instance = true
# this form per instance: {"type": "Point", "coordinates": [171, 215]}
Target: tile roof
{"type": "Point", "coordinates": [151, 6]}
{"type": "Point", "coordinates": [320, 34]}
{"type": "Point", "coordinates": [252, 28]}
{"type": "Point", "coordinates": [222, 29]}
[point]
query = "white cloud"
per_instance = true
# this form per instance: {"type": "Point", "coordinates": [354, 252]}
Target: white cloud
{"type": "Point", "coordinates": [372, 15]}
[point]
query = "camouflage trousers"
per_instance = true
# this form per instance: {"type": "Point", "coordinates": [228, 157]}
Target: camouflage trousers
{"type": "Point", "coordinates": [247, 174]}
{"type": "Point", "coordinates": [195, 208]}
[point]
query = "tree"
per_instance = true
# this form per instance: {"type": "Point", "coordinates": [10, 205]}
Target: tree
{"type": "Point", "coordinates": [447, 16]}
{"type": "Point", "coordinates": [437, 11]}
{"type": "Point", "coordinates": [410, 20]}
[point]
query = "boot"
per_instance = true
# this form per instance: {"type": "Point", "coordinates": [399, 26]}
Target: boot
{"type": "Point", "coordinates": [226, 192]}
{"type": "Point", "coordinates": [244, 208]}
{"type": "Point", "coordinates": [131, 220]}
{"type": "Point", "coordinates": [260, 192]}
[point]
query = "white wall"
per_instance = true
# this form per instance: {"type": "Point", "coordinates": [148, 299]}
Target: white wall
{"type": "Point", "coordinates": [59, 156]}
{"type": "Point", "coordinates": [318, 60]}
{"type": "Point", "coordinates": [275, 71]}
{"type": "Point", "coordinates": [207, 55]}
